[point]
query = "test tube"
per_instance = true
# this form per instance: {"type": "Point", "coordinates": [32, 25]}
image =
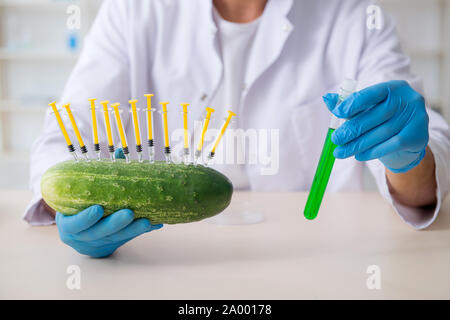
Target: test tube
{"type": "Point", "coordinates": [77, 132]}
{"type": "Point", "coordinates": [123, 138]}
{"type": "Point", "coordinates": [198, 152]}
{"type": "Point", "coordinates": [64, 131]}
{"type": "Point", "coordinates": [137, 131]}
{"type": "Point", "coordinates": [186, 133]}
{"type": "Point", "coordinates": [111, 148]}
{"type": "Point", "coordinates": [327, 158]}
{"type": "Point", "coordinates": [95, 128]}
{"type": "Point", "coordinates": [166, 132]}
{"type": "Point", "coordinates": [151, 144]}
{"type": "Point", "coordinates": [221, 133]}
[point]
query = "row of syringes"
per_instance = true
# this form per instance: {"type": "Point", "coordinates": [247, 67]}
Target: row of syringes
{"type": "Point", "coordinates": [134, 112]}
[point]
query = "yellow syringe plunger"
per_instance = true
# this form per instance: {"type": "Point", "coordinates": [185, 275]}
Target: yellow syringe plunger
{"type": "Point", "coordinates": [185, 125]}
{"type": "Point", "coordinates": [209, 111]}
{"type": "Point", "coordinates": [108, 129]}
{"type": "Point", "coordinates": [149, 116]}
{"type": "Point", "coordinates": [198, 152]}
{"type": "Point", "coordinates": [221, 134]}
{"type": "Point", "coordinates": [166, 131]}
{"type": "Point", "coordinates": [166, 127]}
{"type": "Point", "coordinates": [63, 130]}
{"type": "Point", "coordinates": [75, 129]}
{"type": "Point", "coordinates": [186, 132]}
{"type": "Point", "coordinates": [137, 131]}
{"type": "Point", "coordinates": [94, 124]}
{"type": "Point", "coordinates": [123, 138]}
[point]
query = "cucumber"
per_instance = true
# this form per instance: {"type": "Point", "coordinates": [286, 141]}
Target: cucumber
{"type": "Point", "coordinates": [163, 193]}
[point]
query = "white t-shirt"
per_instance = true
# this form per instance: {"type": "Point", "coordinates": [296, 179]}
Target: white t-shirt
{"type": "Point", "coordinates": [235, 41]}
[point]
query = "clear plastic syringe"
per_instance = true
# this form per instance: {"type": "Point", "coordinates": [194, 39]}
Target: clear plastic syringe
{"type": "Point", "coordinates": [198, 152]}
{"type": "Point", "coordinates": [137, 130]}
{"type": "Point", "coordinates": [327, 158]}
{"type": "Point", "coordinates": [63, 130]}
{"type": "Point", "coordinates": [186, 133]}
{"type": "Point", "coordinates": [166, 132]}
{"type": "Point", "coordinates": [111, 148]}
{"type": "Point", "coordinates": [221, 133]}
{"type": "Point", "coordinates": [123, 137]}
{"type": "Point", "coordinates": [151, 143]}
{"type": "Point", "coordinates": [83, 148]}
{"type": "Point", "coordinates": [95, 128]}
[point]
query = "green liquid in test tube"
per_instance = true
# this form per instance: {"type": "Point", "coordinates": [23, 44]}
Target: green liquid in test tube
{"type": "Point", "coordinates": [327, 158]}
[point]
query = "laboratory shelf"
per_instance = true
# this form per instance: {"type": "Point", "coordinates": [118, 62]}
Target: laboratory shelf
{"type": "Point", "coordinates": [31, 56]}
{"type": "Point", "coordinates": [6, 54]}
{"type": "Point", "coordinates": [38, 4]}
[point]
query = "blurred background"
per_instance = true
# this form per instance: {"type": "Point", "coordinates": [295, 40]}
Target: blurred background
{"type": "Point", "coordinates": [38, 51]}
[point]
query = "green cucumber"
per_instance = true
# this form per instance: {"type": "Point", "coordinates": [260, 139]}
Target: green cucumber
{"type": "Point", "coordinates": [161, 192]}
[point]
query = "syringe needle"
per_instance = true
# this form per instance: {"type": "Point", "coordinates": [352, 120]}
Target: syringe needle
{"type": "Point", "coordinates": [63, 130]}
{"type": "Point", "coordinates": [221, 134]}
{"type": "Point", "coordinates": [198, 152]}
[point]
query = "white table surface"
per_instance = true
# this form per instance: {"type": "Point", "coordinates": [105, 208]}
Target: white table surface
{"type": "Point", "coordinates": [284, 257]}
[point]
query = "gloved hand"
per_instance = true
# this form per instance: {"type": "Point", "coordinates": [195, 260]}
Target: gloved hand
{"type": "Point", "coordinates": [387, 121]}
{"type": "Point", "coordinates": [90, 234]}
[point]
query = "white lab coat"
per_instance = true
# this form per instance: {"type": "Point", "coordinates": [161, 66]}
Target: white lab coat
{"type": "Point", "coordinates": [302, 50]}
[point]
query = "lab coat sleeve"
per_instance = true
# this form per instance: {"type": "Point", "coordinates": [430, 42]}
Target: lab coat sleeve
{"type": "Point", "coordinates": [382, 60]}
{"type": "Point", "coordinates": [101, 72]}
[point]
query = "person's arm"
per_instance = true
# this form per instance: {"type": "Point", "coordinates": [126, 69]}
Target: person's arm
{"type": "Point", "coordinates": [379, 59]}
{"type": "Point", "coordinates": [389, 122]}
{"type": "Point", "coordinates": [417, 187]}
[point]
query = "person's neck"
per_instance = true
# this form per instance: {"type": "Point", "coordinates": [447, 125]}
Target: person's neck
{"type": "Point", "coordinates": [240, 11]}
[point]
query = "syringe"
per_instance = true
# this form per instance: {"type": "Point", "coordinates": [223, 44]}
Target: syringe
{"type": "Point", "coordinates": [151, 144]}
{"type": "Point", "coordinates": [83, 148]}
{"type": "Point", "coordinates": [64, 131]}
{"type": "Point", "coordinates": [327, 158]}
{"type": "Point", "coordinates": [219, 137]}
{"type": "Point", "coordinates": [137, 131]}
{"type": "Point", "coordinates": [186, 133]}
{"type": "Point", "coordinates": [166, 132]}
{"type": "Point", "coordinates": [95, 128]}
{"type": "Point", "coordinates": [198, 152]}
{"type": "Point", "coordinates": [123, 138]}
{"type": "Point", "coordinates": [111, 148]}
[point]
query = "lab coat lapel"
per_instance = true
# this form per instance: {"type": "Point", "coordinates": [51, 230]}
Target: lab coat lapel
{"type": "Point", "coordinates": [207, 65]}
{"type": "Point", "coordinates": [272, 34]}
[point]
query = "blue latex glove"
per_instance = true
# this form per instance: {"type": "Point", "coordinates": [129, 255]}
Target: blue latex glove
{"type": "Point", "coordinates": [90, 234]}
{"type": "Point", "coordinates": [387, 121]}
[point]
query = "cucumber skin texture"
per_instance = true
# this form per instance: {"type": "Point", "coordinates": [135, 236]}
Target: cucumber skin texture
{"type": "Point", "coordinates": [161, 192]}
